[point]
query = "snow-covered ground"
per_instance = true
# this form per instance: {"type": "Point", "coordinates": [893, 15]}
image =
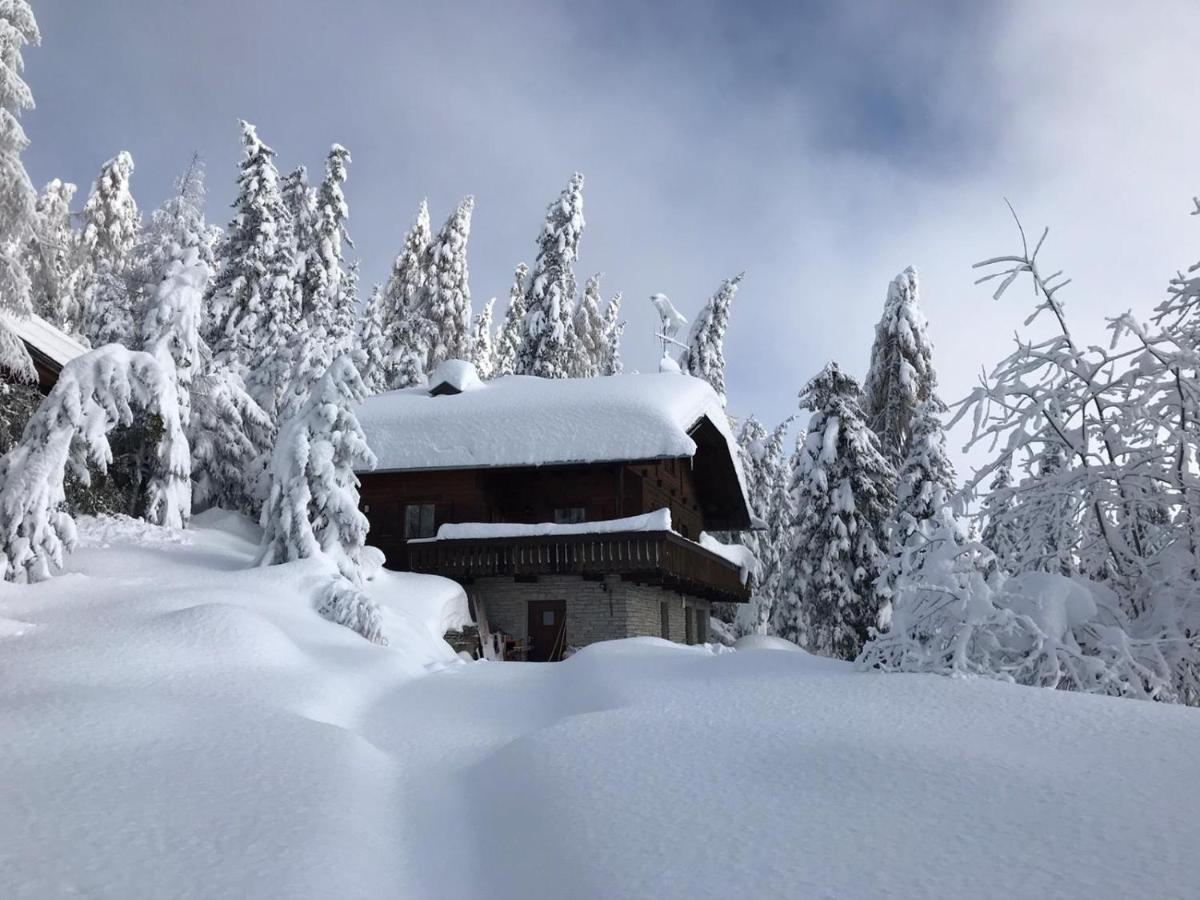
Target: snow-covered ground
{"type": "Point", "coordinates": [173, 723]}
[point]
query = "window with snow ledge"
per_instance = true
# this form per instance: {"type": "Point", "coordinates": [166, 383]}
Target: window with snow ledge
{"type": "Point", "coordinates": [570, 515]}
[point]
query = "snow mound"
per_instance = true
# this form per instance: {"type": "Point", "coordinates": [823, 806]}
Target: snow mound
{"type": "Point", "coordinates": [765, 642]}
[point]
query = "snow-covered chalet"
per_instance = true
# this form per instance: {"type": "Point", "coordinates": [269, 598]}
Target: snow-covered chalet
{"type": "Point", "coordinates": [571, 510]}
{"type": "Point", "coordinates": [48, 347]}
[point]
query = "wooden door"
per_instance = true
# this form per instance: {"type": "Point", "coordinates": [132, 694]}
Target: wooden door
{"type": "Point", "coordinates": [547, 630]}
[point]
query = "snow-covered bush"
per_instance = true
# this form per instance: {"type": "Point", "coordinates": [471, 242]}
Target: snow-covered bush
{"type": "Point", "coordinates": [94, 394]}
{"type": "Point", "coordinates": [956, 613]}
{"type": "Point", "coordinates": [312, 503]}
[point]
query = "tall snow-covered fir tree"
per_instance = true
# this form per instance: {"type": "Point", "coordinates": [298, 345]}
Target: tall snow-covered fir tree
{"type": "Point", "coordinates": [999, 531]}
{"type": "Point", "coordinates": [370, 340]}
{"type": "Point", "coordinates": [610, 357]}
{"type": "Point", "coordinates": [843, 494]}
{"type": "Point", "coordinates": [447, 295]}
{"type": "Point", "coordinates": [300, 202]}
{"type": "Point", "coordinates": [52, 258]}
{"type": "Point", "coordinates": [252, 296]}
{"type": "Point", "coordinates": [403, 330]}
{"type": "Point", "coordinates": [901, 373]}
{"type": "Point", "coordinates": [511, 334]}
{"type": "Point", "coordinates": [704, 356]}
{"type": "Point", "coordinates": [589, 331]}
{"type": "Point", "coordinates": [549, 343]}
{"type": "Point", "coordinates": [17, 29]}
{"type": "Point", "coordinates": [312, 505]}
{"type": "Point", "coordinates": [171, 328]}
{"type": "Point", "coordinates": [110, 231]}
{"type": "Point", "coordinates": [483, 352]}
{"type": "Point", "coordinates": [176, 226]}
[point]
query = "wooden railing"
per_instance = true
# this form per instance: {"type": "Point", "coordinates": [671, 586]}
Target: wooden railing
{"type": "Point", "coordinates": [654, 557]}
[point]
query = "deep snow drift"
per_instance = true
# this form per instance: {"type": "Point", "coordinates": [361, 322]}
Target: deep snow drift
{"type": "Point", "coordinates": [174, 724]}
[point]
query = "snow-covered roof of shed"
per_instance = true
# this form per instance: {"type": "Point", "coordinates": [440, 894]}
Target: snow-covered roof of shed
{"type": "Point", "coordinates": [44, 337]}
{"type": "Point", "coordinates": [525, 421]}
{"type": "Point", "coordinates": [455, 374]}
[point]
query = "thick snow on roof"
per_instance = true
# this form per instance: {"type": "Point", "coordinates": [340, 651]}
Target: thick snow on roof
{"type": "Point", "coordinates": [520, 420]}
{"type": "Point", "coordinates": [41, 335]}
{"type": "Point", "coordinates": [456, 373]}
{"type": "Point", "coordinates": [659, 520]}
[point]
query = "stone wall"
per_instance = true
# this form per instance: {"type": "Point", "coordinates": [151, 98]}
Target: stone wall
{"type": "Point", "coordinates": [595, 610]}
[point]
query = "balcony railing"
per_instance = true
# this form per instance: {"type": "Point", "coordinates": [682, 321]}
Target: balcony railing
{"type": "Point", "coordinates": [657, 557]}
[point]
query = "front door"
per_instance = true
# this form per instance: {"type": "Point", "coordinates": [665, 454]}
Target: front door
{"type": "Point", "coordinates": [547, 630]}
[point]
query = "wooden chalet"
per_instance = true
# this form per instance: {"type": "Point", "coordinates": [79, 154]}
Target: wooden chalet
{"type": "Point", "coordinates": [621, 475]}
{"type": "Point", "coordinates": [48, 347]}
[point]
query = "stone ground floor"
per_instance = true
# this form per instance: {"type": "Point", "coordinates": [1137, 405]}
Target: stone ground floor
{"type": "Point", "coordinates": [544, 618]}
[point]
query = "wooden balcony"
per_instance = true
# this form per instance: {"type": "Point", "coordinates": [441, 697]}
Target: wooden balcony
{"type": "Point", "coordinates": [656, 557]}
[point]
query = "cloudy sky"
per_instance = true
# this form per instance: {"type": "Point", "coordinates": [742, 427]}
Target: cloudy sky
{"type": "Point", "coordinates": [821, 147]}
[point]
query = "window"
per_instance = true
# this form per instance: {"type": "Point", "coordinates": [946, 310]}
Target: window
{"type": "Point", "coordinates": [548, 617]}
{"type": "Point", "coordinates": [569, 515]}
{"type": "Point", "coordinates": [419, 520]}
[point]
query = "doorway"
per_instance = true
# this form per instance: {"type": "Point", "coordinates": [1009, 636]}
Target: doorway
{"type": "Point", "coordinates": [547, 630]}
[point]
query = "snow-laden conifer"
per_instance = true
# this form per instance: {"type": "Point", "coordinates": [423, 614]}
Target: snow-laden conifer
{"type": "Point", "coordinates": [403, 341]}
{"type": "Point", "coordinates": [549, 341]}
{"type": "Point", "coordinates": [171, 329]}
{"type": "Point", "coordinates": [252, 296]}
{"type": "Point", "coordinates": [370, 341]}
{"type": "Point", "coordinates": [704, 356]}
{"type": "Point", "coordinates": [320, 243]}
{"type": "Point", "coordinates": [52, 259]}
{"type": "Point", "coordinates": [589, 330]}
{"type": "Point", "coordinates": [447, 295]}
{"type": "Point", "coordinates": [111, 224]}
{"type": "Point", "coordinates": [231, 438]}
{"type": "Point", "coordinates": [312, 502]}
{"type": "Point", "coordinates": [901, 373]}
{"type": "Point", "coordinates": [843, 493]}
{"type": "Point", "coordinates": [511, 335]}
{"type": "Point", "coordinates": [483, 352]}
{"type": "Point", "coordinates": [94, 394]}
{"type": "Point", "coordinates": [999, 533]}
{"type": "Point", "coordinates": [176, 226]}
{"type": "Point", "coordinates": [17, 29]}
{"type": "Point", "coordinates": [611, 331]}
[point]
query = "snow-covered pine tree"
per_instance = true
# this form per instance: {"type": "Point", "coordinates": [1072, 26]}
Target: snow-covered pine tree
{"type": "Point", "coordinates": [764, 465]}
{"type": "Point", "coordinates": [482, 350]}
{"type": "Point", "coordinates": [95, 393]}
{"type": "Point", "coordinates": [17, 28]}
{"type": "Point", "coordinates": [370, 341]}
{"type": "Point", "coordinates": [312, 503]}
{"type": "Point", "coordinates": [253, 294]}
{"type": "Point", "coordinates": [610, 360]}
{"type": "Point", "coordinates": [901, 373]}
{"type": "Point", "coordinates": [319, 242]}
{"type": "Point", "coordinates": [300, 202]}
{"type": "Point", "coordinates": [925, 481]}
{"type": "Point", "coordinates": [171, 329]}
{"type": "Point", "coordinates": [110, 231]}
{"type": "Point", "coordinates": [999, 533]}
{"type": "Point", "coordinates": [548, 345]}
{"type": "Point", "coordinates": [1046, 517]}
{"type": "Point", "coordinates": [52, 258]}
{"type": "Point", "coordinates": [924, 488]}
{"type": "Point", "coordinates": [403, 330]}
{"type": "Point", "coordinates": [511, 335]}
{"type": "Point", "coordinates": [844, 494]}
{"type": "Point", "coordinates": [231, 438]}
{"type": "Point", "coordinates": [174, 227]}
{"type": "Point", "coordinates": [345, 314]}
{"type": "Point", "coordinates": [447, 296]}
{"type": "Point", "coordinates": [589, 330]}
{"type": "Point", "coordinates": [704, 356]}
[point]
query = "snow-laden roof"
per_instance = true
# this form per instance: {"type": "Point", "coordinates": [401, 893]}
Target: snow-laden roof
{"type": "Point", "coordinates": [44, 337]}
{"type": "Point", "coordinates": [457, 374]}
{"type": "Point", "coordinates": [521, 421]}
{"type": "Point", "coordinates": [659, 520]}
